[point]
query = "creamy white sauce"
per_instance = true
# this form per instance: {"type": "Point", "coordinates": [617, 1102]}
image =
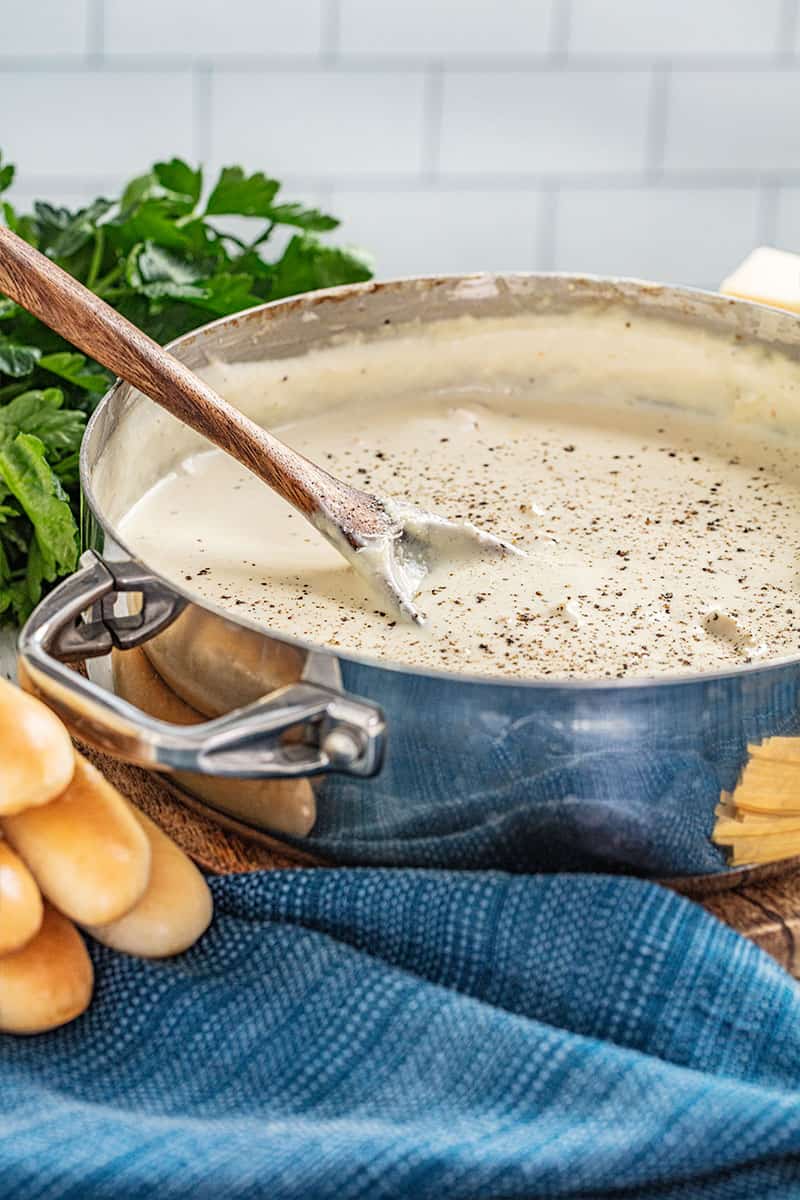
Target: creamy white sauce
{"type": "Point", "coordinates": [659, 540]}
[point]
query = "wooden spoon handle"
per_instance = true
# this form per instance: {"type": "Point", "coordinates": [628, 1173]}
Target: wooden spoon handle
{"type": "Point", "coordinates": [65, 305]}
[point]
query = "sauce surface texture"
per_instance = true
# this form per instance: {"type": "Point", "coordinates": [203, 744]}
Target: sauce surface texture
{"type": "Point", "coordinates": [659, 540]}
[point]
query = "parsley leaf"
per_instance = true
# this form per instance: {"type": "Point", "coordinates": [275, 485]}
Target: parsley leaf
{"type": "Point", "coordinates": [236, 193]}
{"type": "Point", "coordinates": [308, 263]}
{"type": "Point", "coordinates": [62, 233]}
{"type": "Point", "coordinates": [158, 254]}
{"type": "Point", "coordinates": [6, 175]}
{"type": "Point", "coordinates": [303, 218]}
{"type": "Point", "coordinates": [77, 369]}
{"type": "Point", "coordinates": [16, 359]}
{"type": "Point", "coordinates": [42, 413]}
{"type": "Point", "coordinates": [30, 479]}
{"type": "Point", "coordinates": [156, 272]}
{"type": "Point", "coordinates": [179, 178]}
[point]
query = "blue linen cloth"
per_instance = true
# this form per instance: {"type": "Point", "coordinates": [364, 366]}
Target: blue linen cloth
{"type": "Point", "coordinates": [372, 1033]}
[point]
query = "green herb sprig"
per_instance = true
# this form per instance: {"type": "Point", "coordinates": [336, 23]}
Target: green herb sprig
{"type": "Point", "coordinates": [167, 255]}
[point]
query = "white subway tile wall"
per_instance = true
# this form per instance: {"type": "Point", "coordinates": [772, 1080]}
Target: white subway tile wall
{"type": "Point", "coordinates": [68, 123]}
{"type": "Point", "coordinates": [445, 28]}
{"type": "Point", "coordinates": [49, 27]}
{"type": "Point", "coordinates": [545, 122]}
{"type": "Point", "coordinates": [655, 232]}
{"type": "Point", "coordinates": [678, 29]}
{"type": "Point", "coordinates": [326, 124]}
{"type": "Point", "coordinates": [629, 136]}
{"type": "Point", "coordinates": [446, 230]}
{"type": "Point", "coordinates": [186, 28]}
{"type": "Point", "coordinates": [726, 121]}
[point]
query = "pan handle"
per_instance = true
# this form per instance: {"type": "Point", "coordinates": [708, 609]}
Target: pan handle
{"type": "Point", "coordinates": [339, 732]}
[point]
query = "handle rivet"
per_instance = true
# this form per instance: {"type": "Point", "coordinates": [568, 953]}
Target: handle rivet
{"type": "Point", "coordinates": [342, 747]}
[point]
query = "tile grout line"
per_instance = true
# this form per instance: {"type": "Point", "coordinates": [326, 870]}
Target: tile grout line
{"type": "Point", "coordinates": [330, 30]}
{"type": "Point", "coordinates": [498, 181]}
{"type": "Point", "coordinates": [517, 64]}
{"type": "Point", "coordinates": [656, 134]}
{"type": "Point", "coordinates": [96, 33]}
{"type": "Point", "coordinates": [787, 29]}
{"type": "Point", "coordinates": [432, 118]}
{"type": "Point", "coordinates": [546, 239]}
{"type": "Point", "coordinates": [560, 29]}
{"type": "Point", "coordinates": [767, 212]}
{"type": "Point", "coordinates": [202, 100]}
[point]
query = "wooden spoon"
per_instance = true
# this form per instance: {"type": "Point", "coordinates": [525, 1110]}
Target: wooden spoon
{"type": "Point", "coordinates": [391, 543]}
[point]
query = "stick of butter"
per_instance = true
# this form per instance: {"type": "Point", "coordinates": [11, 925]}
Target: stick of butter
{"type": "Point", "coordinates": [769, 276]}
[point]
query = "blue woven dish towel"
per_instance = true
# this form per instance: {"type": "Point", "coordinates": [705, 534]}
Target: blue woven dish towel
{"type": "Point", "coordinates": [369, 1033]}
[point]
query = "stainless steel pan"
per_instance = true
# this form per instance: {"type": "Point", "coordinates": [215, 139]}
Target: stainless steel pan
{"type": "Point", "coordinates": [411, 767]}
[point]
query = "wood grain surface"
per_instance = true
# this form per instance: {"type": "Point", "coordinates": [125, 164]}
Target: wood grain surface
{"type": "Point", "coordinates": [767, 912]}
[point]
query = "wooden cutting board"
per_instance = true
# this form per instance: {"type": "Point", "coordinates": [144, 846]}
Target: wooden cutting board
{"type": "Point", "coordinates": [764, 904]}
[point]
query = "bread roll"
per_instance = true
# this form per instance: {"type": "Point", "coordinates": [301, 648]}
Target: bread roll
{"type": "Point", "coordinates": [174, 911]}
{"type": "Point", "coordinates": [283, 805]}
{"type": "Point", "coordinates": [48, 982]}
{"type": "Point", "coordinates": [20, 902]}
{"type": "Point", "coordinates": [89, 854]}
{"type": "Point", "coordinates": [215, 665]}
{"type": "Point", "coordinates": [36, 755]}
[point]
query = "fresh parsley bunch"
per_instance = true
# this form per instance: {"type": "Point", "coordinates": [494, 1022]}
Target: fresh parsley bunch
{"type": "Point", "coordinates": [168, 260]}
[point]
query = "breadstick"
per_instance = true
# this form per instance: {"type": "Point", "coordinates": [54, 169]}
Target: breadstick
{"type": "Point", "coordinates": [20, 902]}
{"type": "Point", "coordinates": [48, 982]}
{"type": "Point", "coordinates": [89, 855]}
{"type": "Point", "coordinates": [283, 805]}
{"type": "Point", "coordinates": [174, 911]}
{"type": "Point", "coordinates": [36, 755]}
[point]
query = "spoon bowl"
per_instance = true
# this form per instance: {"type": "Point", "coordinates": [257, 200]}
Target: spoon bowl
{"type": "Point", "coordinates": [406, 545]}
